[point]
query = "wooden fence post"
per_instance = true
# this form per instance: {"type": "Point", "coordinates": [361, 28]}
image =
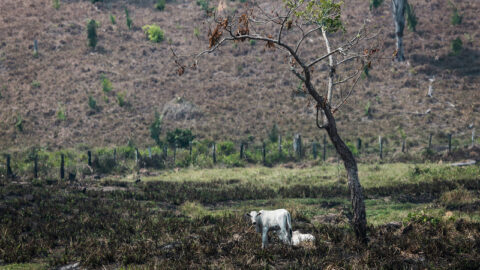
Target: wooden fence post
{"type": "Point", "coordinates": [314, 150]}
{"type": "Point", "coordinates": [297, 145]}
{"type": "Point", "coordinates": [264, 153]}
{"type": "Point", "coordinates": [62, 166]}
{"type": "Point", "coordinates": [136, 156]}
{"type": "Point", "coordinates": [9, 168]}
{"type": "Point", "coordinates": [165, 151]}
{"type": "Point", "coordinates": [214, 153]}
{"type": "Point", "coordinates": [35, 166]}
{"type": "Point", "coordinates": [473, 137]}
{"type": "Point", "coordinates": [115, 156]}
{"type": "Point", "coordinates": [242, 150]}
{"type": "Point", "coordinates": [359, 144]}
{"type": "Point", "coordinates": [430, 141]}
{"type": "Point", "coordinates": [380, 141]}
{"type": "Point", "coordinates": [35, 48]}
{"type": "Point", "coordinates": [89, 154]}
{"type": "Point", "coordinates": [324, 147]}
{"type": "Point", "coordinates": [449, 142]}
{"type": "Point", "coordinates": [174, 153]}
{"type": "Point", "coordinates": [403, 145]}
{"type": "Point", "coordinates": [150, 152]}
{"type": "Point", "coordinates": [190, 150]}
{"type": "Point", "coordinates": [280, 145]}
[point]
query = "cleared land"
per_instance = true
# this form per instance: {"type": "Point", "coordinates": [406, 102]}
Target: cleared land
{"type": "Point", "coordinates": [194, 218]}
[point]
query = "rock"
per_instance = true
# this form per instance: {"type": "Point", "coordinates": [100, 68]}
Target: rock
{"type": "Point", "coordinates": [464, 163]}
{"type": "Point", "coordinates": [70, 266]}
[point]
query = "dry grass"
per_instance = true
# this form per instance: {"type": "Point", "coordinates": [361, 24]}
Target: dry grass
{"type": "Point", "coordinates": [240, 91]}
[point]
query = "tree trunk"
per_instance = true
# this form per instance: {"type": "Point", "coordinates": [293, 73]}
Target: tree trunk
{"type": "Point", "coordinates": [398, 10]}
{"type": "Point", "coordinates": [359, 220]}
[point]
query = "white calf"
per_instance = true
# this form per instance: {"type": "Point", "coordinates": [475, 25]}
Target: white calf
{"type": "Point", "coordinates": [277, 220]}
{"type": "Point", "coordinates": [298, 238]}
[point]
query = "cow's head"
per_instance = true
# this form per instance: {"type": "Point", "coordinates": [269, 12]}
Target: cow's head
{"type": "Point", "coordinates": [253, 216]}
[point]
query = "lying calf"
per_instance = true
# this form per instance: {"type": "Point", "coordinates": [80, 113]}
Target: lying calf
{"type": "Point", "coordinates": [277, 220]}
{"type": "Point", "coordinates": [298, 238]}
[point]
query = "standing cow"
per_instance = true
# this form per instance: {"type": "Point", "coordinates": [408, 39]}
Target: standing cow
{"type": "Point", "coordinates": [277, 220]}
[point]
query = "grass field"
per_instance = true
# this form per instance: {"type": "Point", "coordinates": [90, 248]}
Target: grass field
{"type": "Point", "coordinates": [193, 218]}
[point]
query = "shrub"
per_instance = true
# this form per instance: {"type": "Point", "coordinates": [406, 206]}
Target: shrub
{"type": "Point", "coordinates": [61, 113]}
{"type": "Point", "coordinates": [456, 17]}
{"type": "Point", "coordinates": [375, 4]}
{"type": "Point", "coordinates": [273, 134]}
{"type": "Point", "coordinates": [252, 42]}
{"type": "Point", "coordinates": [205, 5]}
{"type": "Point", "coordinates": [56, 4]}
{"type": "Point", "coordinates": [112, 19]}
{"type": "Point", "coordinates": [92, 103]}
{"type": "Point", "coordinates": [411, 18]}
{"type": "Point", "coordinates": [160, 5]}
{"type": "Point", "coordinates": [226, 148]}
{"type": "Point", "coordinates": [196, 32]}
{"type": "Point", "coordinates": [128, 19]}
{"type": "Point", "coordinates": [36, 84]}
{"type": "Point", "coordinates": [121, 99]}
{"type": "Point", "coordinates": [368, 109]}
{"type": "Point", "coordinates": [352, 148]}
{"type": "Point", "coordinates": [154, 33]}
{"type": "Point", "coordinates": [92, 33]}
{"type": "Point", "coordinates": [180, 137]}
{"type": "Point", "coordinates": [19, 123]}
{"type": "Point", "coordinates": [156, 128]}
{"type": "Point", "coordinates": [457, 46]}
{"type": "Point", "coordinates": [106, 85]}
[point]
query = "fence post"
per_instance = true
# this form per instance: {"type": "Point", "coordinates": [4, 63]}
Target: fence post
{"type": "Point", "coordinates": [115, 156]}
{"type": "Point", "coordinates": [359, 144]}
{"type": "Point", "coordinates": [165, 151]}
{"type": "Point", "coordinates": [214, 153]}
{"type": "Point", "coordinates": [264, 153]}
{"type": "Point", "coordinates": [403, 145]}
{"type": "Point", "coordinates": [430, 141]}
{"type": "Point", "coordinates": [190, 150]}
{"type": "Point", "coordinates": [174, 153]}
{"type": "Point", "coordinates": [150, 152]}
{"type": "Point", "coordinates": [62, 166]}
{"type": "Point", "coordinates": [324, 147]}
{"type": "Point", "coordinates": [297, 145]}
{"type": "Point", "coordinates": [9, 169]}
{"type": "Point", "coordinates": [473, 137]}
{"type": "Point", "coordinates": [89, 153]}
{"type": "Point", "coordinates": [35, 166]}
{"type": "Point", "coordinates": [35, 48]}
{"type": "Point", "coordinates": [241, 150]}
{"type": "Point", "coordinates": [449, 142]}
{"type": "Point", "coordinates": [314, 150]}
{"type": "Point", "coordinates": [280, 145]}
{"type": "Point", "coordinates": [380, 141]}
{"type": "Point", "coordinates": [136, 156]}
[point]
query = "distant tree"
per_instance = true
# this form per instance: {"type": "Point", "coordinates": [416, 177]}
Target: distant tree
{"type": "Point", "coordinates": [92, 33]}
{"type": "Point", "coordinates": [180, 137]}
{"type": "Point", "coordinates": [156, 128]}
{"type": "Point", "coordinates": [289, 25]}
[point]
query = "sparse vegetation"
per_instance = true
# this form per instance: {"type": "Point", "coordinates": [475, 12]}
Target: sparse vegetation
{"type": "Point", "coordinates": [113, 19]}
{"type": "Point", "coordinates": [92, 33]}
{"type": "Point", "coordinates": [375, 4]}
{"type": "Point", "coordinates": [156, 128]}
{"type": "Point", "coordinates": [61, 113]}
{"type": "Point", "coordinates": [456, 17]}
{"type": "Point", "coordinates": [456, 46]}
{"type": "Point", "coordinates": [129, 20]}
{"type": "Point", "coordinates": [154, 33]}
{"type": "Point", "coordinates": [56, 4]}
{"type": "Point", "coordinates": [160, 5]}
{"type": "Point", "coordinates": [19, 123]}
{"type": "Point", "coordinates": [368, 111]}
{"type": "Point", "coordinates": [107, 86]}
{"type": "Point", "coordinates": [411, 17]}
{"type": "Point", "coordinates": [36, 84]}
{"type": "Point", "coordinates": [92, 103]}
{"type": "Point", "coordinates": [273, 134]}
{"type": "Point", "coordinates": [121, 99]}
{"type": "Point", "coordinates": [205, 5]}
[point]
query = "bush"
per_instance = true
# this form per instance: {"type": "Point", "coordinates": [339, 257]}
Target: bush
{"type": "Point", "coordinates": [375, 4]}
{"type": "Point", "coordinates": [456, 17]}
{"type": "Point", "coordinates": [160, 5]}
{"type": "Point", "coordinates": [112, 19]}
{"type": "Point", "coordinates": [128, 19]}
{"type": "Point", "coordinates": [92, 33]}
{"type": "Point", "coordinates": [180, 137]}
{"type": "Point", "coordinates": [56, 4]}
{"type": "Point", "coordinates": [226, 148]}
{"type": "Point", "coordinates": [154, 33]}
{"type": "Point", "coordinates": [19, 123]}
{"type": "Point", "coordinates": [106, 85]}
{"type": "Point", "coordinates": [411, 18]}
{"type": "Point", "coordinates": [352, 148]}
{"type": "Point", "coordinates": [205, 5]}
{"type": "Point", "coordinates": [273, 134]}
{"type": "Point", "coordinates": [92, 103]}
{"type": "Point", "coordinates": [457, 46]}
{"type": "Point", "coordinates": [121, 99]}
{"type": "Point", "coordinates": [156, 128]}
{"type": "Point", "coordinates": [61, 113]}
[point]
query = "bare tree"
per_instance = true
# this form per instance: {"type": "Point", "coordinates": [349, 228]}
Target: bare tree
{"type": "Point", "coordinates": [287, 26]}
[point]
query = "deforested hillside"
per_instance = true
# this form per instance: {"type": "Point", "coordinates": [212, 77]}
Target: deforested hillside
{"type": "Point", "coordinates": [69, 94]}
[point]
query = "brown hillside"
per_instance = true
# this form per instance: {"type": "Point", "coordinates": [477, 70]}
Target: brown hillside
{"type": "Point", "coordinates": [240, 91]}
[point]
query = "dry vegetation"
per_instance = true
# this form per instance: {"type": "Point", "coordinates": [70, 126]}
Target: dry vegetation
{"type": "Point", "coordinates": [240, 91]}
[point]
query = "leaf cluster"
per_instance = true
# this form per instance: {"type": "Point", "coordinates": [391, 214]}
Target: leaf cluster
{"type": "Point", "coordinates": [325, 13]}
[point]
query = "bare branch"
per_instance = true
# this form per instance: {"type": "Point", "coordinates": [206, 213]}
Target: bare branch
{"type": "Point", "coordinates": [348, 95]}
{"type": "Point", "coordinates": [298, 74]}
{"type": "Point", "coordinates": [348, 78]}
{"type": "Point", "coordinates": [322, 126]}
{"type": "Point", "coordinates": [350, 58]}
{"type": "Point", "coordinates": [304, 35]}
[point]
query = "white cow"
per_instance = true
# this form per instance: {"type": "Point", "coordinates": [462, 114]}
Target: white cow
{"type": "Point", "coordinates": [277, 220]}
{"type": "Point", "coordinates": [298, 237]}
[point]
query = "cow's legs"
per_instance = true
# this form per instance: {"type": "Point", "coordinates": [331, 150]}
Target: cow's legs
{"type": "Point", "coordinates": [264, 237]}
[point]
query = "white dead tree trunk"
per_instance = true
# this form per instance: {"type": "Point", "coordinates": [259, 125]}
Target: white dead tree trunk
{"type": "Point", "coordinates": [430, 86]}
{"type": "Point", "coordinates": [398, 10]}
